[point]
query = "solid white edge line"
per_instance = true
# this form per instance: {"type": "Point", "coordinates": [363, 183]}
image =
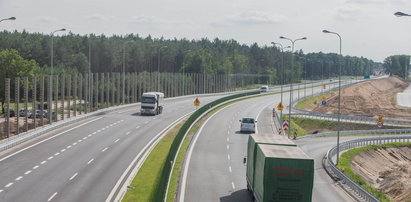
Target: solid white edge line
{"type": "Point", "coordinates": [137, 167]}
{"type": "Point", "coordinates": [52, 196]}
{"type": "Point", "coordinates": [187, 161]}
{"type": "Point", "coordinates": [54, 136]}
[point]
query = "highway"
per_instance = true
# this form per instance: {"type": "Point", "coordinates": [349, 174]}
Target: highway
{"type": "Point", "coordinates": [84, 161]}
{"type": "Point", "coordinates": [216, 171]}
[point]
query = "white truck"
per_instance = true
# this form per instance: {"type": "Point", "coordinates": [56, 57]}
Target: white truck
{"type": "Point", "coordinates": [151, 103]}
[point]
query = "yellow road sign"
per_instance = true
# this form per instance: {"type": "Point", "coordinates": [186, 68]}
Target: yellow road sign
{"type": "Point", "coordinates": [197, 102]}
{"type": "Point", "coordinates": [280, 107]}
{"type": "Point", "coordinates": [379, 119]}
{"type": "Point", "coordinates": [323, 97]}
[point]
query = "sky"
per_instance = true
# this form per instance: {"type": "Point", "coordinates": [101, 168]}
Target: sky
{"type": "Point", "coordinates": [368, 27]}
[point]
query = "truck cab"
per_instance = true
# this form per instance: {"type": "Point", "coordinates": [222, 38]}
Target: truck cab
{"type": "Point", "coordinates": [151, 103]}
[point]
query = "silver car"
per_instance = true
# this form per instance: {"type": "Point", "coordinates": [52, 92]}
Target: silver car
{"type": "Point", "coordinates": [248, 125]}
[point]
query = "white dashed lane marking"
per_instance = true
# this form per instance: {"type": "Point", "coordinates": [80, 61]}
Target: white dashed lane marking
{"type": "Point", "coordinates": [232, 184]}
{"type": "Point", "coordinates": [27, 172]}
{"type": "Point", "coordinates": [1, 190]}
{"type": "Point", "coordinates": [229, 169]}
{"type": "Point", "coordinates": [91, 160]}
{"type": "Point", "coordinates": [9, 185]}
{"type": "Point", "coordinates": [35, 167]}
{"type": "Point", "coordinates": [117, 140]}
{"type": "Point", "coordinates": [52, 196]}
{"type": "Point", "coordinates": [63, 150]}
{"type": "Point", "coordinates": [104, 149]}
{"type": "Point", "coordinates": [19, 178]}
{"type": "Point", "coordinates": [228, 156]}
{"type": "Point", "coordinates": [51, 157]}
{"type": "Point", "coordinates": [43, 162]}
{"type": "Point", "coordinates": [72, 177]}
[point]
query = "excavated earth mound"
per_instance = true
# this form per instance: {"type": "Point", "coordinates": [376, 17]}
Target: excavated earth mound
{"type": "Point", "coordinates": [370, 98]}
{"type": "Point", "coordinates": [388, 170]}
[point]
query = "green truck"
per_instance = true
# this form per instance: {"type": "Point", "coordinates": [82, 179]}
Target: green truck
{"type": "Point", "coordinates": [277, 170]}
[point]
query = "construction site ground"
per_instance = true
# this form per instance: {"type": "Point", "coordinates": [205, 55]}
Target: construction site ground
{"type": "Point", "coordinates": [389, 169]}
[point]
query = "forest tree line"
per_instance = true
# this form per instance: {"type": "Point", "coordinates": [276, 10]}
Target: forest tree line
{"type": "Point", "coordinates": [398, 65]}
{"type": "Point", "coordinates": [78, 53]}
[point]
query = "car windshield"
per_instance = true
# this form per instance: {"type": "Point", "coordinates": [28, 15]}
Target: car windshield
{"type": "Point", "coordinates": [148, 100]}
{"type": "Point", "coordinates": [248, 120]}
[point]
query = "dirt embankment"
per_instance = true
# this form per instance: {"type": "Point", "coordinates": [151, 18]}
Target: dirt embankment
{"type": "Point", "coordinates": [370, 98]}
{"type": "Point", "coordinates": [388, 170]}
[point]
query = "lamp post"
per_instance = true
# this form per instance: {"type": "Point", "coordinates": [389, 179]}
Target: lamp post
{"type": "Point", "coordinates": [401, 14]}
{"type": "Point", "coordinates": [291, 79]}
{"type": "Point", "coordinates": [10, 18]}
{"type": "Point", "coordinates": [339, 96]}
{"type": "Point", "coordinates": [282, 74]}
{"type": "Point", "coordinates": [158, 68]}
{"type": "Point", "coordinates": [51, 74]}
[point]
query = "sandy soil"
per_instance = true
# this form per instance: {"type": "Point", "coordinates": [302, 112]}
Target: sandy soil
{"type": "Point", "coordinates": [370, 98]}
{"type": "Point", "coordinates": [387, 169]}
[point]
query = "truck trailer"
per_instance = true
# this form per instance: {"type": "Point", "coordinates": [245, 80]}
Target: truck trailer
{"type": "Point", "coordinates": [278, 170]}
{"type": "Point", "coordinates": [152, 103]}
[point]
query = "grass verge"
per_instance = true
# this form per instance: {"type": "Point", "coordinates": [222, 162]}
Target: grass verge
{"type": "Point", "coordinates": [345, 162]}
{"type": "Point", "coordinates": [144, 185]}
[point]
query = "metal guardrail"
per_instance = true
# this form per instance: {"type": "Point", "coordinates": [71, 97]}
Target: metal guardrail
{"type": "Point", "coordinates": [18, 139]}
{"type": "Point", "coordinates": [350, 132]}
{"type": "Point", "coordinates": [362, 193]}
{"type": "Point", "coordinates": [344, 118]}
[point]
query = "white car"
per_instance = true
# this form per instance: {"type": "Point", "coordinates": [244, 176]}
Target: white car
{"type": "Point", "coordinates": [264, 89]}
{"type": "Point", "coordinates": [248, 125]}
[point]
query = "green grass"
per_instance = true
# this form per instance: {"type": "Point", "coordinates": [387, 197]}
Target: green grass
{"type": "Point", "coordinates": [345, 162]}
{"type": "Point", "coordinates": [144, 185]}
{"type": "Point", "coordinates": [316, 125]}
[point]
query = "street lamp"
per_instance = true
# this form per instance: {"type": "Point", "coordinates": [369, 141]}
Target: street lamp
{"type": "Point", "coordinates": [291, 79]}
{"type": "Point", "coordinates": [51, 75]}
{"type": "Point", "coordinates": [158, 68]}
{"type": "Point", "coordinates": [10, 18]}
{"type": "Point", "coordinates": [282, 74]}
{"type": "Point", "coordinates": [339, 96]}
{"type": "Point", "coordinates": [401, 14]}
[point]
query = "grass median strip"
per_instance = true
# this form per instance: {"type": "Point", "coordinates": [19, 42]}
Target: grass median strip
{"type": "Point", "coordinates": [144, 185]}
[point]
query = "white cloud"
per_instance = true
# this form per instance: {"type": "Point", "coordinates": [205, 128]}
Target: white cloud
{"type": "Point", "coordinates": [46, 20]}
{"type": "Point", "coordinates": [251, 18]}
{"type": "Point", "coordinates": [348, 13]}
{"type": "Point", "coordinates": [95, 16]}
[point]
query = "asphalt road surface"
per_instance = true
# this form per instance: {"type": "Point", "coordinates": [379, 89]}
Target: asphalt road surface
{"type": "Point", "coordinates": [83, 162]}
{"type": "Point", "coordinates": [216, 171]}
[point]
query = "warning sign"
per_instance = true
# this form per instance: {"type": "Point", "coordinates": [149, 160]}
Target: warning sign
{"type": "Point", "coordinates": [280, 107]}
{"type": "Point", "coordinates": [379, 119]}
{"type": "Point", "coordinates": [323, 97]}
{"type": "Point", "coordinates": [197, 102]}
{"type": "Point", "coordinates": [380, 124]}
